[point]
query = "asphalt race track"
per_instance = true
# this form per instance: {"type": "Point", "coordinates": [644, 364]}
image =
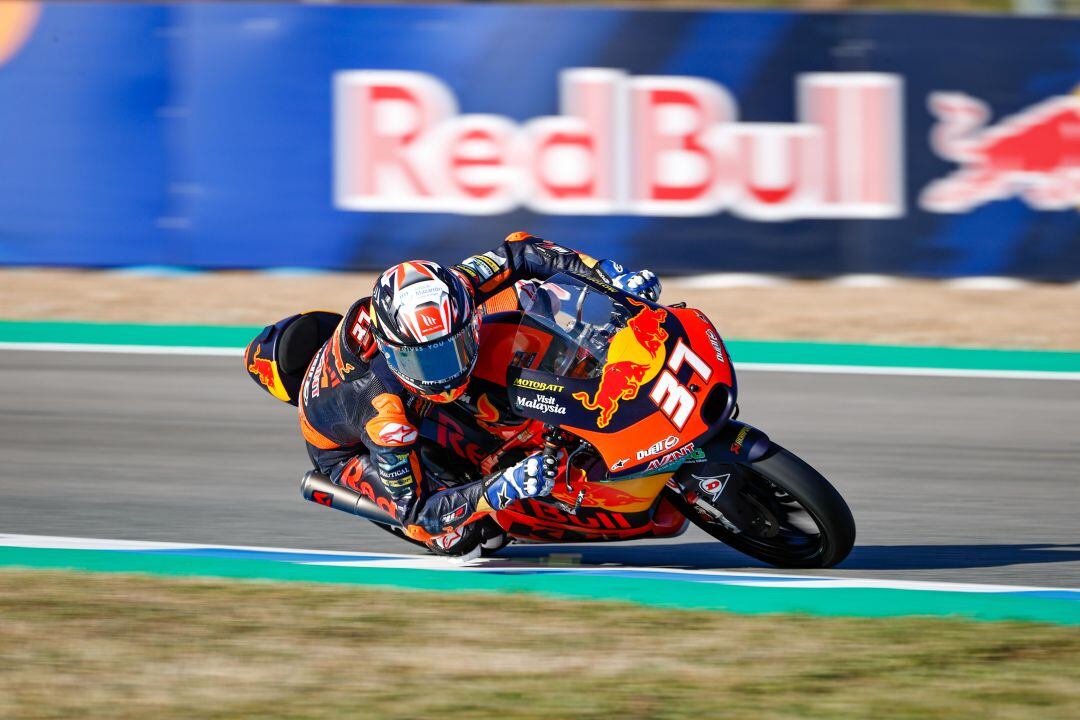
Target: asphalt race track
{"type": "Point", "coordinates": [958, 479]}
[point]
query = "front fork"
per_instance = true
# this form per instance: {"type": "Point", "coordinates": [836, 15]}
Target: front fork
{"type": "Point", "coordinates": [711, 485]}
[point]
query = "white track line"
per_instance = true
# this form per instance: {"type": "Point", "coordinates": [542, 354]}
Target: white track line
{"type": "Point", "coordinates": [748, 366]}
{"type": "Point", "coordinates": [420, 562]}
{"type": "Point", "coordinates": [123, 349]}
{"type": "Point", "coordinates": [906, 371]}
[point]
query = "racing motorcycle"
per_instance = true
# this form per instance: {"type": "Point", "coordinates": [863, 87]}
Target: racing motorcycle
{"type": "Point", "coordinates": [635, 404]}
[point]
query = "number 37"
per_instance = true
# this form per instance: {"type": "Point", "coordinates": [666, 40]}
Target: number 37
{"type": "Point", "coordinates": [673, 399]}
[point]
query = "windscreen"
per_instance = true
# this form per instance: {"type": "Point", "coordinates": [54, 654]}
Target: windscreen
{"type": "Point", "coordinates": [581, 321]}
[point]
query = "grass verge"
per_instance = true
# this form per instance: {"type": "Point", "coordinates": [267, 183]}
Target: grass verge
{"type": "Point", "coordinates": [115, 646]}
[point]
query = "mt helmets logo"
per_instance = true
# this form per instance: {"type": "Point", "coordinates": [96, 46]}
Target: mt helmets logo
{"type": "Point", "coordinates": [621, 145]}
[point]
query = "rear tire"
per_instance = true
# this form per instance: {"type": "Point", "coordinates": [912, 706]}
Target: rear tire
{"type": "Point", "coordinates": [775, 487]}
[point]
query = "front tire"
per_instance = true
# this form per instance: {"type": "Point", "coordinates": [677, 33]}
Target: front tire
{"type": "Point", "coordinates": [788, 514]}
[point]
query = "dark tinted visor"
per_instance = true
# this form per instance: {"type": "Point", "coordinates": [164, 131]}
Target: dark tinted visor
{"type": "Point", "coordinates": [438, 365]}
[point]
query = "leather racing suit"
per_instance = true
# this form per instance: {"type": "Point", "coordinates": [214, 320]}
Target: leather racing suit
{"type": "Point", "coordinates": [362, 425]}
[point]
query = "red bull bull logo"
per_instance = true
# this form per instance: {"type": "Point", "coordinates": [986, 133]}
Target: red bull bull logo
{"type": "Point", "coordinates": [262, 368]}
{"type": "Point", "coordinates": [635, 356]}
{"type": "Point", "coordinates": [264, 371]}
{"type": "Point", "coordinates": [648, 327]}
{"type": "Point", "coordinates": [1033, 155]}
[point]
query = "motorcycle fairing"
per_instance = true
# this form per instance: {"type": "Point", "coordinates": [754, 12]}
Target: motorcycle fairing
{"type": "Point", "coordinates": [541, 520]}
{"type": "Point", "coordinates": [626, 501]}
{"type": "Point", "coordinates": [634, 424]}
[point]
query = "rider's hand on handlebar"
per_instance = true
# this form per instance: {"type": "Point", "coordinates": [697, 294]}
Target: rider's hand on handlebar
{"type": "Point", "coordinates": [642, 283]}
{"type": "Point", "coordinates": [524, 480]}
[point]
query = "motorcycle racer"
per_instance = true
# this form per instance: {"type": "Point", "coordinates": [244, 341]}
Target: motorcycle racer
{"type": "Point", "coordinates": [414, 342]}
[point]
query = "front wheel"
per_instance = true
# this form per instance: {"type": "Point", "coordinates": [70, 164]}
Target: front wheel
{"type": "Point", "coordinates": [777, 509]}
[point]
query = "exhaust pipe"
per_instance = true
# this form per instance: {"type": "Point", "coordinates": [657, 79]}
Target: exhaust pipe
{"type": "Point", "coordinates": [318, 488]}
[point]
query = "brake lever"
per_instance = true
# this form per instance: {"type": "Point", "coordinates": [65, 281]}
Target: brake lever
{"type": "Point", "coordinates": [550, 464]}
{"type": "Point", "coordinates": [549, 457]}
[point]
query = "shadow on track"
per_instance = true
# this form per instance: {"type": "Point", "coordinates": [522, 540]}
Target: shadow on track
{"type": "Point", "coordinates": [689, 556]}
{"type": "Point", "coordinates": [935, 557]}
{"type": "Point", "coordinates": [709, 556]}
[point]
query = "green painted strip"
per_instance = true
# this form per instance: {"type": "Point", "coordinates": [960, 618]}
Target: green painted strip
{"type": "Point", "coordinates": [743, 351]}
{"type": "Point", "coordinates": [851, 602]}
{"type": "Point", "coordinates": [88, 333]}
{"type": "Point", "coordinates": [818, 353]}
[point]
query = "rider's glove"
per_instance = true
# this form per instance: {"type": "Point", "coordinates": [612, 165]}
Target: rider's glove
{"type": "Point", "coordinates": [524, 480]}
{"type": "Point", "coordinates": [642, 283]}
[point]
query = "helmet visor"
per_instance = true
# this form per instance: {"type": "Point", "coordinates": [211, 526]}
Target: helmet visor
{"type": "Point", "coordinates": [439, 365]}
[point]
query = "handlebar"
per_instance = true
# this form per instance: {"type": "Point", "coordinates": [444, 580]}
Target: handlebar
{"type": "Point", "coordinates": [553, 438]}
{"type": "Point", "coordinates": [550, 453]}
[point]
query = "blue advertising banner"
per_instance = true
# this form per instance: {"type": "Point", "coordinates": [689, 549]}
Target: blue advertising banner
{"type": "Point", "coordinates": [235, 135]}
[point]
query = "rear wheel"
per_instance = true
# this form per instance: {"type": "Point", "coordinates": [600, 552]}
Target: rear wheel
{"type": "Point", "coordinates": [777, 509]}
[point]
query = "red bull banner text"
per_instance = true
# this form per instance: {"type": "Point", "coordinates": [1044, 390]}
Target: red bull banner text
{"type": "Point", "coordinates": [647, 145]}
{"type": "Point", "coordinates": [348, 137]}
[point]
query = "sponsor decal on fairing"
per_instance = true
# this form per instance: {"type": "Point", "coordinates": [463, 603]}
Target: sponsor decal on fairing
{"type": "Point", "coordinates": [636, 353]}
{"type": "Point", "coordinates": [736, 447]}
{"type": "Point", "coordinates": [671, 458]}
{"type": "Point", "coordinates": [714, 340]}
{"type": "Point", "coordinates": [538, 385]}
{"type": "Point", "coordinates": [543, 403]}
{"type": "Point", "coordinates": [658, 447]}
{"type": "Point", "coordinates": [712, 485]}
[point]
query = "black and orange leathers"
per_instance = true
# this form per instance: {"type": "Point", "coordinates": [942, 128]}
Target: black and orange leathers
{"type": "Point", "coordinates": [362, 426]}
